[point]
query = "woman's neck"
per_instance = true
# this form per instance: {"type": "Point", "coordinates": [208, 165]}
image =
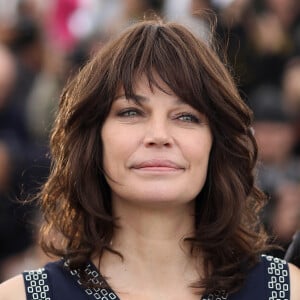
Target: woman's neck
{"type": "Point", "coordinates": [152, 244]}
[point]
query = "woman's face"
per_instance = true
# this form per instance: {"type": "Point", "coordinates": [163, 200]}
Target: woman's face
{"type": "Point", "coordinates": [156, 149]}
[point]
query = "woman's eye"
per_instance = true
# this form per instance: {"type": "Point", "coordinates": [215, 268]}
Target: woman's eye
{"type": "Point", "coordinates": [129, 112]}
{"type": "Point", "coordinates": [188, 117]}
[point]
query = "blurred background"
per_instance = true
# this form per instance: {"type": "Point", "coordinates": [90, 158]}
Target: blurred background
{"type": "Point", "coordinates": [43, 43]}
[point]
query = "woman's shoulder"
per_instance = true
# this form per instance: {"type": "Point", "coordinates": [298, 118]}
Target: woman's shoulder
{"type": "Point", "coordinates": [13, 288]}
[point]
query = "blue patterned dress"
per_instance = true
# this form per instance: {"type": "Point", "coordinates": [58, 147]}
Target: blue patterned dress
{"type": "Point", "coordinates": [268, 280]}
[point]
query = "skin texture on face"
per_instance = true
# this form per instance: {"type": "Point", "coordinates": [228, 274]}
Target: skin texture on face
{"type": "Point", "coordinates": [156, 147]}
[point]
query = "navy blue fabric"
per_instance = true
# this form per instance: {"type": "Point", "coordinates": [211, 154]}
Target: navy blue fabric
{"type": "Point", "coordinates": [268, 280]}
{"type": "Point", "coordinates": [259, 283]}
{"type": "Point", "coordinates": [61, 285]}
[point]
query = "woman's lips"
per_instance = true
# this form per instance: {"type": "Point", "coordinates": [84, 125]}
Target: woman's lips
{"type": "Point", "coordinates": [157, 165]}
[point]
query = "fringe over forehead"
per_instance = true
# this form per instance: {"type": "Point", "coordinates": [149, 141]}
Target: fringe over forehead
{"type": "Point", "coordinates": [169, 50]}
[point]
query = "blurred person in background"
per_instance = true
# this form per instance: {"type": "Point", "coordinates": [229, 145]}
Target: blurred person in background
{"type": "Point", "coordinates": [21, 61]}
{"type": "Point", "coordinates": [279, 168]}
{"type": "Point", "coordinates": [291, 95]}
{"type": "Point", "coordinates": [276, 35]}
{"type": "Point", "coordinates": [293, 252]}
{"type": "Point", "coordinates": [291, 86]}
{"type": "Point", "coordinates": [14, 236]}
{"type": "Point", "coordinates": [258, 39]}
{"type": "Point", "coordinates": [287, 12]}
{"type": "Point", "coordinates": [274, 38]}
{"type": "Point", "coordinates": [286, 214]}
{"type": "Point", "coordinates": [25, 43]}
{"type": "Point", "coordinates": [131, 11]}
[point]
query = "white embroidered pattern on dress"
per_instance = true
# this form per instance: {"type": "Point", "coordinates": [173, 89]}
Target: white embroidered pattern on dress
{"type": "Point", "coordinates": [37, 285]}
{"type": "Point", "coordinates": [94, 277]}
{"type": "Point", "coordinates": [278, 278]}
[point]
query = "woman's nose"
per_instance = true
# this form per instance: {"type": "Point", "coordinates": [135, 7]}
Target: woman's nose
{"type": "Point", "coordinates": [158, 133]}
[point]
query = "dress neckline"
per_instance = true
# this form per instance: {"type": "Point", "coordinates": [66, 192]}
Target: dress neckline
{"type": "Point", "coordinates": [107, 293]}
{"type": "Point", "coordinates": [100, 293]}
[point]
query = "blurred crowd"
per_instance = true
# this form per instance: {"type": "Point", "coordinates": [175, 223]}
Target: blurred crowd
{"type": "Point", "coordinates": [43, 43]}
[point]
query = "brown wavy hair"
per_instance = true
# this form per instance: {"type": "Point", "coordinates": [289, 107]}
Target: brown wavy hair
{"type": "Point", "coordinates": [76, 201]}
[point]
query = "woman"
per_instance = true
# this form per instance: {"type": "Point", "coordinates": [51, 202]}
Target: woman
{"type": "Point", "coordinates": [151, 194]}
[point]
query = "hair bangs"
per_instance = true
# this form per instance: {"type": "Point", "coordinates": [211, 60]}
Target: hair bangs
{"type": "Point", "coordinates": [158, 50]}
